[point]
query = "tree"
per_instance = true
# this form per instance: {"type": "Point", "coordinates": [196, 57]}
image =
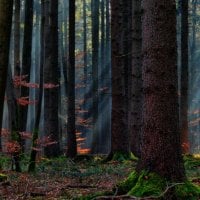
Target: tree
{"type": "Point", "coordinates": [71, 129]}
{"type": "Point", "coordinates": [136, 80]}
{"type": "Point", "coordinates": [184, 77]}
{"type": "Point", "coordinates": [161, 148]}
{"type": "Point", "coordinates": [95, 72]}
{"type": "Point", "coordinates": [6, 7]}
{"type": "Point", "coordinates": [51, 77]}
{"type": "Point", "coordinates": [119, 55]}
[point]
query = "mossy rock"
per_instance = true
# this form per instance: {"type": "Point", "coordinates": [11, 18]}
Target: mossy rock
{"type": "Point", "coordinates": [148, 184]}
{"type": "Point", "coordinates": [3, 177]}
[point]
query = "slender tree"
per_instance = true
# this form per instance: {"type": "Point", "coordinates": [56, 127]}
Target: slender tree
{"type": "Point", "coordinates": [32, 164]}
{"type": "Point", "coordinates": [51, 74]}
{"type": "Point", "coordinates": [95, 73]}
{"type": "Point", "coordinates": [184, 77]}
{"type": "Point", "coordinates": [71, 129]}
{"type": "Point", "coordinates": [6, 7]}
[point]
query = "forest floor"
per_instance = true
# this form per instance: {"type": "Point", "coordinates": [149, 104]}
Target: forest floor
{"type": "Point", "coordinates": [62, 178]}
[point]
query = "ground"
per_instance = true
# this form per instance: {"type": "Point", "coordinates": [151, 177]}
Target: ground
{"type": "Point", "coordinates": [63, 178]}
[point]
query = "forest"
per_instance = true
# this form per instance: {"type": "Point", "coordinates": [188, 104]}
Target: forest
{"type": "Point", "coordinates": [99, 99]}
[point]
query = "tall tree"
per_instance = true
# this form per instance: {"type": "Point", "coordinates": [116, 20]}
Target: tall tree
{"type": "Point", "coordinates": [17, 38]}
{"type": "Point", "coordinates": [26, 60]}
{"type": "Point", "coordinates": [120, 54]}
{"type": "Point", "coordinates": [33, 155]}
{"type": "Point", "coordinates": [184, 77]}
{"type": "Point", "coordinates": [71, 129]}
{"type": "Point", "coordinates": [51, 74]}
{"type": "Point", "coordinates": [95, 66]}
{"type": "Point", "coordinates": [161, 147]}
{"type": "Point", "coordinates": [6, 7]}
{"type": "Point", "coordinates": [136, 80]}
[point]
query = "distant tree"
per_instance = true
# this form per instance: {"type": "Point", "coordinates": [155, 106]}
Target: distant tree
{"type": "Point", "coordinates": [161, 147]}
{"type": "Point", "coordinates": [32, 164]}
{"type": "Point", "coordinates": [184, 77]}
{"type": "Point", "coordinates": [6, 7]}
{"type": "Point", "coordinates": [136, 80]}
{"type": "Point", "coordinates": [120, 54]}
{"type": "Point", "coordinates": [71, 129]}
{"type": "Point", "coordinates": [51, 74]}
{"type": "Point", "coordinates": [26, 62]}
{"type": "Point", "coordinates": [95, 72]}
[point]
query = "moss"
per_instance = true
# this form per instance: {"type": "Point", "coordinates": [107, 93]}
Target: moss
{"type": "Point", "coordinates": [121, 156]}
{"type": "Point", "coordinates": [187, 191]}
{"type": "Point", "coordinates": [129, 183]}
{"type": "Point", "coordinates": [148, 184]}
{"type": "Point", "coordinates": [3, 177]}
{"type": "Point", "coordinates": [191, 162]}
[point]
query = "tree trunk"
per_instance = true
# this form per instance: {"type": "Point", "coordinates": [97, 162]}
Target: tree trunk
{"type": "Point", "coordinates": [184, 77]}
{"type": "Point", "coordinates": [95, 66]}
{"type": "Point", "coordinates": [6, 7]}
{"type": "Point", "coordinates": [26, 63]}
{"type": "Point", "coordinates": [32, 163]}
{"type": "Point", "coordinates": [71, 129]}
{"type": "Point", "coordinates": [136, 80]}
{"type": "Point", "coordinates": [120, 54]}
{"type": "Point", "coordinates": [161, 147]}
{"type": "Point", "coordinates": [51, 75]}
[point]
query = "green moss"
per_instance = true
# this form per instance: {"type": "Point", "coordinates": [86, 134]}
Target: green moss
{"type": "Point", "coordinates": [129, 183]}
{"type": "Point", "coordinates": [121, 156]}
{"type": "Point", "coordinates": [187, 191]}
{"type": "Point", "coordinates": [148, 184]}
{"type": "Point", "coordinates": [3, 177]}
{"type": "Point", "coordinates": [191, 162]}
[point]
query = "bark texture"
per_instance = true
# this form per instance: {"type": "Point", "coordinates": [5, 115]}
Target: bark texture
{"type": "Point", "coordinates": [136, 80]}
{"type": "Point", "coordinates": [161, 148]}
{"type": "Point", "coordinates": [119, 55]}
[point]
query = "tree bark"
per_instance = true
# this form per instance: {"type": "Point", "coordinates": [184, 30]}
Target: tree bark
{"type": "Point", "coordinates": [161, 147]}
{"type": "Point", "coordinates": [71, 129]}
{"type": "Point", "coordinates": [119, 55]}
{"type": "Point", "coordinates": [136, 80]}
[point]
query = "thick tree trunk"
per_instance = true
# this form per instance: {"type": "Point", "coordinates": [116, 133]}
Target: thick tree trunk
{"type": "Point", "coordinates": [6, 7]}
{"type": "Point", "coordinates": [120, 54]}
{"type": "Point", "coordinates": [51, 127]}
{"type": "Point", "coordinates": [184, 77]}
{"type": "Point", "coordinates": [136, 80]}
{"type": "Point", "coordinates": [71, 129]}
{"type": "Point", "coordinates": [161, 147]}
